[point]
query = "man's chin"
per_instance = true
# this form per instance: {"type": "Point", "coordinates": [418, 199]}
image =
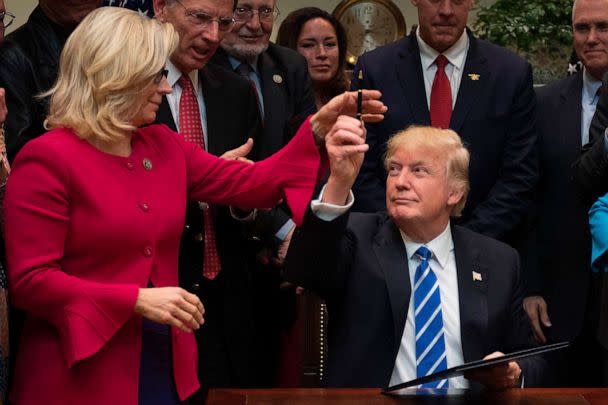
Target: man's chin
{"type": "Point", "coordinates": [245, 52]}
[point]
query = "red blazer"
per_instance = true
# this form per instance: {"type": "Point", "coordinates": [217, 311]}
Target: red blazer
{"type": "Point", "coordinates": [85, 230]}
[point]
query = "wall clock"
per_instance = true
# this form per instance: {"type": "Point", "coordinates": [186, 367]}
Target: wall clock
{"type": "Point", "coordinates": [369, 24]}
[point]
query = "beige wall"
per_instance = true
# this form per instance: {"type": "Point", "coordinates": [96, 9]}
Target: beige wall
{"type": "Point", "coordinates": [22, 8]}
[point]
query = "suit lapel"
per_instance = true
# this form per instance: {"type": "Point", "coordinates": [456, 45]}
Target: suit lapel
{"type": "Point", "coordinates": [390, 252]}
{"type": "Point", "coordinates": [570, 121]}
{"type": "Point", "coordinates": [212, 94]}
{"type": "Point", "coordinates": [474, 79]}
{"type": "Point", "coordinates": [275, 101]}
{"type": "Point", "coordinates": [409, 74]}
{"type": "Point", "coordinates": [472, 296]}
{"type": "Point", "coordinates": [164, 116]}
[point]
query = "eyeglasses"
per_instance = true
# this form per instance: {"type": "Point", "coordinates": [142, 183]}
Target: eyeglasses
{"type": "Point", "coordinates": [160, 75]}
{"type": "Point", "coordinates": [244, 14]}
{"type": "Point", "coordinates": [6, 18]}
{"type": "Point", "coordinates": [204, 20]}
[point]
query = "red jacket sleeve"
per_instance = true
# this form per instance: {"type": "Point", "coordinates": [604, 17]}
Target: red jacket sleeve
{"type": "Point", "coordinates": [291, 173]}
{"type": "Point", "coordinates": [37, 212]}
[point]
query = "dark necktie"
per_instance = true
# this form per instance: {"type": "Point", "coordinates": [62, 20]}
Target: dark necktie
{"type": "Point", "coordinates": [430, 341]}
{"type": "Point", "coordinates": [441, 96]}
{"type": "Point", "coordinates": [191, 129]}
{"type": "Point", "coordinates": [244, 69]}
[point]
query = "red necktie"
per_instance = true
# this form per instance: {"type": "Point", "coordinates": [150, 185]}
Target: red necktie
{"type": "Point", "coordinates": [192, 130]}
{"type": "Point", "coordinates": [441, 96]}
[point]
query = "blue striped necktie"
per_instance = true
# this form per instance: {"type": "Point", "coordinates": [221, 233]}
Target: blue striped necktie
{"type": "Point", "coordinates": [430, 341]}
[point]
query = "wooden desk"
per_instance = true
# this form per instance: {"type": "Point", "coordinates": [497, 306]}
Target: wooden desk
{"type": "Point", "coordinates": [372, 396]}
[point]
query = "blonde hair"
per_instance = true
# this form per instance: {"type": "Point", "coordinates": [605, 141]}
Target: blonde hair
{"type": "Point", "coordinates": [110, 58]}
{"type": "Point", "coordinates": [444, 141]}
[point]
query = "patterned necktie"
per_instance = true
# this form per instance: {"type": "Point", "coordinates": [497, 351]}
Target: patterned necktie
{"type": "Point", "coordinates": [441, 96]}
{"type": "Point", "coordinates": [244, 69]}
{"type": "Point", "coordinates": [192, 130]}
{"type": "Point", "coordinates": [430, 341]}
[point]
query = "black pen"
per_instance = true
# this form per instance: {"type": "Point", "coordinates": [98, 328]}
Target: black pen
{"type": "Point", "coordinates": [360, 95]}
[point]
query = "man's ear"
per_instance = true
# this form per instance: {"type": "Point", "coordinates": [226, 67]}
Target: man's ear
{"type": "Point", "coordinates": [454, 196]}
{"type": "Point", "coordinates": [160, 7]}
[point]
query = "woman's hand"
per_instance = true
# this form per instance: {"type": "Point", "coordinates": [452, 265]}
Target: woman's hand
{"type": "Point", "coordinates": [170, 306]}
{"type": "Point", "coordinates": [346, 104]}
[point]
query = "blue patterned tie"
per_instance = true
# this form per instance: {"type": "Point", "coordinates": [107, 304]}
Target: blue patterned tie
{"type": "Point", "coordinates": [430, 341]}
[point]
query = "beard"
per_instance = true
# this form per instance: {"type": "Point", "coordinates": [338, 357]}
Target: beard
{"type": "Point", "coordinates": [243, 51]}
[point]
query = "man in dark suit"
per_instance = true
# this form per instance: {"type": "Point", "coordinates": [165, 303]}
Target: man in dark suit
{"type": "Point", "coordinates": [591, 172]}
{"type": "Point", "coordinates": [441, 75]}
{"type": "Point", "coordinates": [559, 261]}
{"type": "Point", "coordinates": [410, 294]}
{"type": "Point", "coordinates": [285, 96]}
{"type": "Point", "coordinates": [29, 61]}
{"type": "Point", "coordinates": [227, 111]}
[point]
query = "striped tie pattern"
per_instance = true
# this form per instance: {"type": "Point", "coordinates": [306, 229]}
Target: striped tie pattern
{"type": "Point", "coordinates": [430, 341]}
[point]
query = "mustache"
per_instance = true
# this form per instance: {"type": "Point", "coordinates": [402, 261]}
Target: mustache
{"type": "Point", "coordinates": [246, 31]}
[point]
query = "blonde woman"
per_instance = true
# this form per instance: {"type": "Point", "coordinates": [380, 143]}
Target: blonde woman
{"type": "Point", "coordinates": [94, 211]}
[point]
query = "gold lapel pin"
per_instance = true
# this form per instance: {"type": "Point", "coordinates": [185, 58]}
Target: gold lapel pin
{"type": "Point", "coordinates": [147, 164]}
{"type": "Point", "coordinates": [278, 79]}
{"type": "Point", "coordinates": [473, 76]}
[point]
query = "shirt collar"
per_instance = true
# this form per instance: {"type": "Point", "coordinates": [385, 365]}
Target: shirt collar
{"type": "Point", "coordinates": [441, 246]}
{"type": "Point", "coordinates": [173, 75]}
{"type": "Point", "coordinates": [456, 54]}
{"type": "Point", "coordinates": [590, 86]}
{"type": "Point", "coordinates": [234, 62]}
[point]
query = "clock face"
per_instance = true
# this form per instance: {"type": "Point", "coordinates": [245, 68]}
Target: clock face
{"type": "Point", "coordinates": [368, 25]}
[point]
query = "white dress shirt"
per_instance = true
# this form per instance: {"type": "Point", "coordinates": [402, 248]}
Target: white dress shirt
{"type": "Point", "coordinates": [173, 76]}
{"type": "Point", "coordinates": [589, 98]}
{"type": "Point", "coordinates": [443, 264]}
{"type": "Point", "coordinates": [456, 55]}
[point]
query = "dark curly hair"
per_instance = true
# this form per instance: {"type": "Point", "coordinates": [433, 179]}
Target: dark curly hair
{"type": "Point", "coordinates": [288, 35]}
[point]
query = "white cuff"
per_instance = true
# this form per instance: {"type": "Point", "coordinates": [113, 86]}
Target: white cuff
{"type": "Point", "coordinates": [329, 212]}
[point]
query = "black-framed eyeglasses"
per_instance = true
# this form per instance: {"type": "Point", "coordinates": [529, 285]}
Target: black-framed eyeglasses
{"type": "Point", "coordinates": [244, 14]}
{"type": "Point", "coordinates": [204, 20]}
{"type": "Point", "coordinates": [160, 75]}
{"type": "Point", "coordinates": [6, 18]}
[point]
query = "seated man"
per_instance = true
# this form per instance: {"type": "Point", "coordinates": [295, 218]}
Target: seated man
{"type": "Point", "coordinates": [410, 294]}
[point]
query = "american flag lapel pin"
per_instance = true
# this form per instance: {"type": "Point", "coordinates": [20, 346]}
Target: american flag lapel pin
{"type": "Point", "coordinates": [477, 276]}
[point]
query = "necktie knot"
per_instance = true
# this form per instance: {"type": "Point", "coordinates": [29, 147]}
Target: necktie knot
{"type": "Point", "coordinates": [441, 62]}
{"type": "Point", "coordinates": [185, 82]}
{"type": "Point", "coordinates": [244, 69]}
{"type": "Point", "coordinates": [424, 253]}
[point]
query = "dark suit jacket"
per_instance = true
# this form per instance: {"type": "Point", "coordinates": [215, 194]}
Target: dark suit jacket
{"type": "Point", "coordinates": [591, 170]}
{"type": "Point", "coordinates": [360, 268]}
{"type": "Point", "coordinates": [232, 117]}
{"type": "Point", "coordinates": [558, 261]}
{"type": "Point", "coordinates": [494, 114]}
{"type": "Point", "coordinates": [29, 61]}
{"type": "Point", "coordinates": [288, 101]}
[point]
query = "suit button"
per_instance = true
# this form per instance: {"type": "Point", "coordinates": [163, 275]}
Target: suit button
{"type": "Point", "coordinates": [199, 237]}
{"type": "Point", "coordinates": [147, 251]}
{"type": "Point", "coordinates": [196, 287]}
{"type": "Point", "coordinates": [130, 165]}
{"type": "Point", "coordinates": [144, 207]}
